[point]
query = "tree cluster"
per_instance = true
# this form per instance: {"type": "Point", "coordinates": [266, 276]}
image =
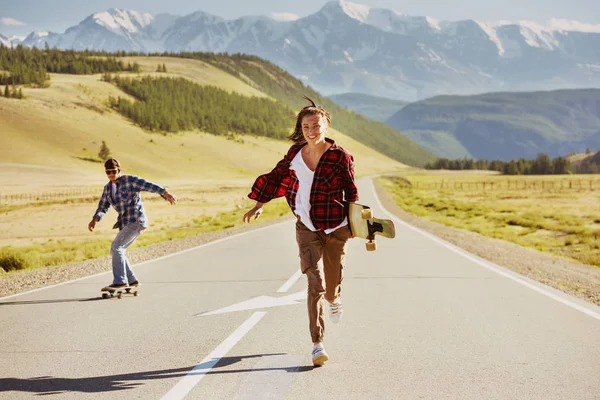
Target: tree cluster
{"type": "Point", "coordinates": [175, 104]}
{"type": "Point", "coordinates": [25, 66]}
{"type": "Point", "coordinates": [542, 165]}
{"type": "Point", "coordinates": [104, 153]}
{"type": "Point", "coordinates": [12, 92]}
{"type": "Point", "coordinates": [161, 68]}
{"type": "Point", "coordinates": [591, 165]}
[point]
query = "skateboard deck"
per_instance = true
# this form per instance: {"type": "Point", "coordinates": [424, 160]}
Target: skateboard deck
{"type": "Point", "coordinates": [119, 292]}
{"type": "Point", "coordinates": [364, 225]}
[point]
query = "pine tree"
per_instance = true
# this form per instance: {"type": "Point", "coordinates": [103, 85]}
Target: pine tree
{"type": "Point", "coordinates": [164, 68]}
{"type": "Point", "coordinates": [104, 153]}
{"type": "Point", "coordinates": [159, 68]}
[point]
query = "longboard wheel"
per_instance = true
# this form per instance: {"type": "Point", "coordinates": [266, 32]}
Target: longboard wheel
{"type": "Point", "coordinates": [366, 213]}
{"type": "Point", "coordinates": [371, 246]}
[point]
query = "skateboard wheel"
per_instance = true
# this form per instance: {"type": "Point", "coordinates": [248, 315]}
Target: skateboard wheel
{"type": "Point", "coordinates": [135, 294]}
{"type": "Point", "coordinates": [105, 295]}
{"type": "Point", "coordinates": [119, 295]}
{"type": "Point", "coordinates": [371, 246]}
{"type": "Point", "coordinates": [367, 213]}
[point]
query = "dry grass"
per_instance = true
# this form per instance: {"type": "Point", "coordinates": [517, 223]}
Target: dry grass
{"type": "Point", "coordinates": [563, 222]}
{"type": "Point", "coordinates": [196, 71]}
{"type": "Point", "coordinates": [65, 124]}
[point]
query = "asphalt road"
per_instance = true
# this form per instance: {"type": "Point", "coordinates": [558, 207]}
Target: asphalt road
{"type": "Point", "coordinates": [227, 320]}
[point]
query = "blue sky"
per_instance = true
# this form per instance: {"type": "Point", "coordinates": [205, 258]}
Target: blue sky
{"type": "Point", "coordinates": [20, 17]}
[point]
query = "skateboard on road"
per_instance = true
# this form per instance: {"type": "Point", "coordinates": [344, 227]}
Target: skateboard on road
{"type": "Point", "coordinates": [119, 292]}
{"type": "Point", "coordinates": [364, 225]}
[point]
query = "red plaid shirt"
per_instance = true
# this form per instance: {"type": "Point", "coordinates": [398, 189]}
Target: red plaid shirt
{"type": "Point", "coordinates": [333, 185]}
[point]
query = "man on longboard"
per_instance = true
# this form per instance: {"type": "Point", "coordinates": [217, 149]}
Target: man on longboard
{"type": "Point", "coordinates": [122, 192]}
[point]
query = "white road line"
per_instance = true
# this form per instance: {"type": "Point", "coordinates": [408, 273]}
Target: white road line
{"type": "Point", "coordinates": [147, 262]}
{"type": "Point", "coordinates": [187, 383]}
{"type": "Point", "coordinates": [286, 286]}
{"type": "Point", "coordinates": [488, 265]}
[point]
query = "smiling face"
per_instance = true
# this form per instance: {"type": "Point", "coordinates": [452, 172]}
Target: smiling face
{"type": "Point", "coordinates": [314, 128]}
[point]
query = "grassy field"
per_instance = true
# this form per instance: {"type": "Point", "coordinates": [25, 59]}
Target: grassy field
{"type": "Point", "coordinates": [55, 232]}
{"type": "Point", "coordinates": [531, 211]}
{"type": "Point", "coordinates": [49, 142]}
{"type": "Point", "coordinates": [63, 126]}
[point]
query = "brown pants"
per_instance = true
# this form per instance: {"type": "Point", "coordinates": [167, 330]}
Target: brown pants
{"type": "Point", "coordinates": [322, 260]}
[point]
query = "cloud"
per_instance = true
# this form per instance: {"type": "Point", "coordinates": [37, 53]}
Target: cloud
{"type": "Point", "coordinates": [8, 21]}
{"type": "Point", "coordinates": [284, 16]}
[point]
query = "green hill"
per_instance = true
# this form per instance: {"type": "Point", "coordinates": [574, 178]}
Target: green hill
{"type": "Point", "coordinates": [31, 66]}
{"type": "Point", "coordinates": [372, 107]}
{"type": "Point", "coordinates": [63, 125]}
{"type": "Point", "coordinates": [280, 85]}
{"type": "Point", "coordinates": [504, 125]}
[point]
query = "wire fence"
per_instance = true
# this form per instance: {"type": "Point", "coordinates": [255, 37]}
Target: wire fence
{"type": "Point", "coordinates": [42, 197]}
{"type": "Point", "coordinates": [511, 184]}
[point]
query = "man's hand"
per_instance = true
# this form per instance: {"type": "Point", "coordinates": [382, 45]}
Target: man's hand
{"type": "Point", "coordinates": [255, 211]}
{"type": "Point", "coordinates": [170, 198]}
{"type": "Point", "coordinates": [92, 225]}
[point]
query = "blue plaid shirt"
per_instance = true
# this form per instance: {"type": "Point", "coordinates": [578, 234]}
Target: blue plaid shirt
{"type": "Point", "coordinates": [127, 200]}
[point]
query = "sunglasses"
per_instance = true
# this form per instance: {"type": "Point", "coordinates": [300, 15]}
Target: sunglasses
{"type": "Point", "coordinates": [111, 171]}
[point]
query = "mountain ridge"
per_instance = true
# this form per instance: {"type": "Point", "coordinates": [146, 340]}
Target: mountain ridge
{"type": "Point", "coordinates": [348, 47]}
{"type": "Point", "coordinates": [504, 125]}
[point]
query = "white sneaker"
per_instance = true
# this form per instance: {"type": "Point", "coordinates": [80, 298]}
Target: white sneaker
{"type": "Point", "coordinates": [335, 311]}
{"type": "Point", "coordinates": [319, 355]}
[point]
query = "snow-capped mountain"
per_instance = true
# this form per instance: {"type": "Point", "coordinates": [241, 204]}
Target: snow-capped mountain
{"type": "Point", "coordinates": [4, 41]}
{"type": "Point", "coordinates": [10, 41]}
{"type": "Point", "coordinates": [39, 39]}
{"type": "Point", "coordinates": [347, 47]}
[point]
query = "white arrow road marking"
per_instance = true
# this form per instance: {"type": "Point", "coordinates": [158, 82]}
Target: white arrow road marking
{"type": "Point", "coordinates": [261, 302]}
{"type": "Point", "coordinates": [187, 383]}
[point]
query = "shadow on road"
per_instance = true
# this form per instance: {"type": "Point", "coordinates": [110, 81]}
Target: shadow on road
{"type": "Point", "coordinates": [26, 302]}
{"type": "Point", "coordinates": [48, 385]}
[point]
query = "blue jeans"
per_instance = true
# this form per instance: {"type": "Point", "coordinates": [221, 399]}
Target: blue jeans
{"type": "Point", "coordinates": [122, 272]}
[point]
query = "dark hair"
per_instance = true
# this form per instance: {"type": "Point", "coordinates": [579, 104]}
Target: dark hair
{"type": "Point", "coordinates": [112, 164]}
{"type": "Point", "coordinates": [313, 109]}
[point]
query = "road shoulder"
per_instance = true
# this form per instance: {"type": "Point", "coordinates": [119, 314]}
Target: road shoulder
{"type": "Point", "coordinates": [579, 280]}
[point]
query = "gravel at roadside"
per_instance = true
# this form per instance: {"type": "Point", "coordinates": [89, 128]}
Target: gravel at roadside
{"type": "Point", "coordinates": [37, 278]}
{"type": "Point", "coordinates": [580, 280]}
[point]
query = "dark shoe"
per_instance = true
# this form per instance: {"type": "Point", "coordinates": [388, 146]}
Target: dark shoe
{"type": "Point", "coordinates": [134, 283]}
{"type": "Point", "coordinates": [117, 285]}
{"type": "Point", "coordinates": [113, 287]}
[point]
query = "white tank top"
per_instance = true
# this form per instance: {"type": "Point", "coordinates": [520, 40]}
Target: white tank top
{"type": "Point", "coordinates": [305, 180]}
